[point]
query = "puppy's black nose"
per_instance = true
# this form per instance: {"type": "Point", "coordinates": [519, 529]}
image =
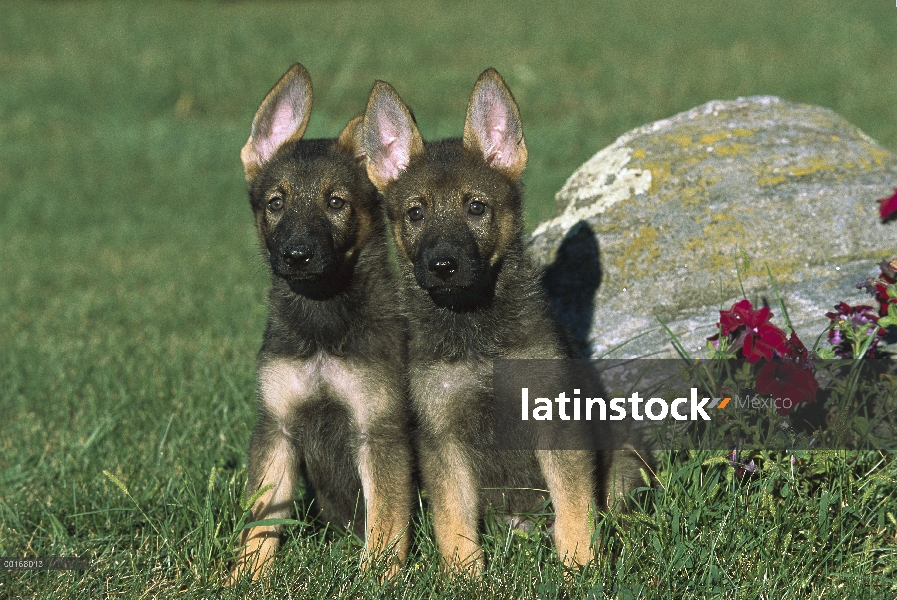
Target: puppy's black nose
{"type": "Point", "coordinates": [443, 268]}
{"type": "Point", "coordinates": [297, 257]}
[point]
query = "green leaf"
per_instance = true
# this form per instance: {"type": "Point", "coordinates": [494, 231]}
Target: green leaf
{"type": "Point", "coordinates": [822, 517]}
{"type": "Point", "coordinates": [826, 353]}
{"type": "Point", "coordinates": [596, 593]}
{"type": "Point", "coordinates": [271, 522]}
{"type": "Point", "coordinates": [889, 320]}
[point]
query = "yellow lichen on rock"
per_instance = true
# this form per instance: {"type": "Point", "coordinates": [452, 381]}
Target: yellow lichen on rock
{"type": "Point", "coordinates": [712, 138]}
{"type": "Point", "coordinates": [642, 249]}
{"type": "Point", "coordinates": [733, 149]}
{"type": "Point", "coordinates": [683, 139]}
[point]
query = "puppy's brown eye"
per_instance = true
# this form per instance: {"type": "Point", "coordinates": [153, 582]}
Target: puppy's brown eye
{"type": "Point", "coordinates": [275, 204]}
{"type": "Point", "coordinates": [335, 202]}
{"type": "Point", "coordinates": [476, 208]}
{"type": "Point", "coordinates": [415, 213]}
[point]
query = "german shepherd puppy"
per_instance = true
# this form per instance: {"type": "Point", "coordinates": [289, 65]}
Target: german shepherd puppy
{"type": "Point", "coordinates": [456, 212]}
{"type": "Point", "coordinates": [332, 400]}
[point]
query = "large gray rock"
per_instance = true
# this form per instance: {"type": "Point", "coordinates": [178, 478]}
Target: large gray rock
{"type": "Point", "coordinates": [659, 225]}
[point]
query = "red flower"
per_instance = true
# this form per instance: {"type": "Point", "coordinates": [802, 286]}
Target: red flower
{"type": "Point", "coordinates": [859, 317]}
{"type": "Point", "coordinates": [788, 382]}
{"type": "Point", "coordinates": [795, 350]}
{"type": "Point", "coordinates": [759, 338]}
{"type": "Point", "coordinates": [888, 206]}
{"type": "Point", "coordinates": [878, 286]}
{"type": "Point", "coordinates": [887, 277]}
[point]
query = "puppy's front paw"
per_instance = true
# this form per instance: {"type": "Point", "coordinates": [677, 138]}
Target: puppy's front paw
{"type": "Point", "coordinates": [254, 557]}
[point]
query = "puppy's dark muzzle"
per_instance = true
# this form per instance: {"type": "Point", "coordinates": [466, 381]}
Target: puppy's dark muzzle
{"type": "Point", "coordinates": [443, 268]}
{"type": "Point", "coordinates": [448, 266]}
{"type": "Point", "coordinates": [310, 266]}
{"type": "Point", "coordinates": [453, 275]}
{"type": "Point", "coordinates": [297, 258]}
{"type": "Point", "coordinates": [304, 258]}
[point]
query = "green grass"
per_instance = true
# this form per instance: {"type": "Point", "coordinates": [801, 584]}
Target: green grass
{"type": "Point", "coordinates": [132, 296]}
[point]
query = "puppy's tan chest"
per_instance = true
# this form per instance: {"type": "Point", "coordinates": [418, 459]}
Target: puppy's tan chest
{"type": "Point", "coordinates": [443, 391]}
{"type": "Point", "coordinates": [285, 385]}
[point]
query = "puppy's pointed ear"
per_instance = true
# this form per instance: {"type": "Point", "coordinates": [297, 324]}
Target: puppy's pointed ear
{"type": "Point", "coordinates": [390, 137]}
{"type": "Point", "coordinates": [282, 117]}
{"type": "Point", "coordinates": [493, 125]}
{"type": "Point", "coordinates": [350, 139]}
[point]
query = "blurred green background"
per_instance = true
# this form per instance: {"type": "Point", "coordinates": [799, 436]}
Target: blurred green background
{"type": "Point", "coordinates": [131, 292]}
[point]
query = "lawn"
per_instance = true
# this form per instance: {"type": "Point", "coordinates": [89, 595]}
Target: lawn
{"type": "Point", "coordinates": [132, 293]}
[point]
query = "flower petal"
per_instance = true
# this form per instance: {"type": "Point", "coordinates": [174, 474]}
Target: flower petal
{"type": "Point", "coordinates": [887, 206]}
